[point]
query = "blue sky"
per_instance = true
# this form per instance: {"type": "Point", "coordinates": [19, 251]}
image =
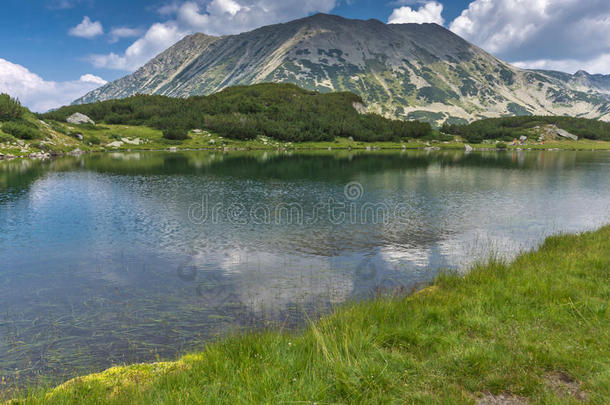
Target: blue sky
{"type": "Point", "coordinates": [52, 50]}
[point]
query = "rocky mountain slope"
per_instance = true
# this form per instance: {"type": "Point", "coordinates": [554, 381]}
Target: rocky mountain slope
{"type": "Point", "coordinates": [408, 71]}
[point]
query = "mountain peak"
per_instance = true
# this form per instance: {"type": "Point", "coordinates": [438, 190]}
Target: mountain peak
{"type": "Point", "coordinates": [409, 71]}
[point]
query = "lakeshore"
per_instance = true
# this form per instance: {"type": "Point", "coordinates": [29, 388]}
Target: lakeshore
{"type": "Point", "coordinates": [122, 138]}
{"type": "Point", "coordinates": [534, 330]}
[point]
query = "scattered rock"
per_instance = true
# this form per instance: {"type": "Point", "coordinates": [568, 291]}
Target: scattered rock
{"type": "Point", "coordinates": [115, 144]}
{"type": "Point", "coordinates": [39, 155]}
{"type": "Point", "coordinates": [76, 152]}
{"type": "Point", "coordinates": [565, 386]}
{"type": "Point", "coordinates": [197, 131]}
{"type": "Point", "coordinates": [350, 138]}
{"type": "Point", "coordinates": [501, 399]}
{"type": "Point", "coordinates": [130, 141]}
{"type": "Point", "coordinates": [566, 134]}
{"type": "Point", "coordinates": [78, 118]}
{"type": "Point", "coordinates": [468, 148]}
{"type": "Point", "coordinates": [79, 137]}
{"type": "Point", "coordinates": [552, 132]}
{"type": "Point", "coordinates": [173, 149]}
{"type": "Point", "coordinates": [361, 108]}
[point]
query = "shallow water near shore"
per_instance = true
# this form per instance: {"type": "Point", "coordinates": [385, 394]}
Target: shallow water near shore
{"type": "Point", "coordinates": [129, 257]}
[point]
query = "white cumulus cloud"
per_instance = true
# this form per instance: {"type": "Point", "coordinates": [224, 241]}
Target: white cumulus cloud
{"type": "Point", "coordinates": [427, 13]}
{"type": "Point", "coordinates": [41, 95]}
{"type": "Point", "coordinates": [217, 17]}
{"type": "Point", "coordinates": [158, 38]}
{"type": "Point", "coordinates": [560, 34]}
{"type": "Point", "coordinates": [89, 78]}
{"type": "Point", "coordinates": [599, 64]}
{"type": "Point", "coordinates": [123, 32]}
{"type": "Point", "coordinates": [87, 29]}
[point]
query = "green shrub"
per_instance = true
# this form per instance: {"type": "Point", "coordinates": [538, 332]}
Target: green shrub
{"type": "Point", "coordinates": [94, 140]}
{"type": "Point", "coordinates": [21, 130]}
{"type": "Point", "coordinates": [92, 127]}
{"type": "Point", "coordinates": [437, 136]}
{"type": "Point", "coordinates": [501, 145]}
{"type": "Point", "coordinates": [10, 108]}
{"type": "Point", "coordinates": [4, 138]}
{"type": "Point", "coordinates": [175, 134]}
{"type": "Point", "coordinates": [57, 127]}
{"type": "Point", "coordinates": [238, 126]}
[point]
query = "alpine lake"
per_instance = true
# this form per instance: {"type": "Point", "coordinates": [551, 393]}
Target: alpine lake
{"type": "Point", "coordinates": [117, 258]}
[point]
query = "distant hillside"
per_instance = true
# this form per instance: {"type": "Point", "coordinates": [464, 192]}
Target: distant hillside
{"type": "Point", "coordinates": [409, 71]}
{"type": "Point", "coordinates": [279, 111]}
{"type": "Point", "coordinates": [509, 128]}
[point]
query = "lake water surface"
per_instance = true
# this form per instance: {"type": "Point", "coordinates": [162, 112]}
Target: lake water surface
{"type": "Point", "coordinates": [129, 257]}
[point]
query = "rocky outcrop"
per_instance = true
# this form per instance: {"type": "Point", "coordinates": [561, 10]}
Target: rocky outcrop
{"type": "Point", "coordinates": [78, 118]}
{"type": "Point", "coordinates": [565, 134]}
{"type": "Point", "coordinates": [550, 132]}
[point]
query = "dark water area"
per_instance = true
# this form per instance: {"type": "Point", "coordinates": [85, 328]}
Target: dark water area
{"type": "Point", "coordinates": [130, 257]}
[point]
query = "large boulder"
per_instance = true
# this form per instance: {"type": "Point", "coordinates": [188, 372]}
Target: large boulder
{"type": "Point", "coordinates": [115, 144]}
{"type": "Point", "coordinates": [565, 134]}
{"type": "Point", "coordinates": [78, 118]}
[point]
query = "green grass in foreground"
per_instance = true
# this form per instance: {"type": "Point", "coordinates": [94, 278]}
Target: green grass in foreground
{"type": "Point", "coordinates": [536, 330]}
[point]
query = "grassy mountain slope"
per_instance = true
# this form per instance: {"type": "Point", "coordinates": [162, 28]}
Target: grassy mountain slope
{"type": "Point", "coordinates": [412, 71]}
{"type": "Point", "coordinates": [22, 133]}
{"type": "Point", "coordinates": [280, 111]}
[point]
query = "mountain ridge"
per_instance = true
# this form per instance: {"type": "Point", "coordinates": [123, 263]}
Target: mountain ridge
{"type": "Point", "coordinates": [409, 71]}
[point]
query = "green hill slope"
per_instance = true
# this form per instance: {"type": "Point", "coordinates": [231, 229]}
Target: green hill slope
{"type": "Point", "coordinates": [280, 111]}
